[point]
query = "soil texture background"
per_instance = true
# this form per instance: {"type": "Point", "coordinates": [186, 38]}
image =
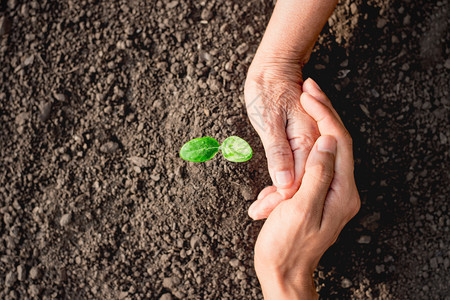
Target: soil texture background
{"type": "Point", "coordinates": [96, 98]}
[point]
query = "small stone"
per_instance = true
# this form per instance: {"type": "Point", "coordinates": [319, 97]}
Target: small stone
{"type": "Point", "coordinates": [247, 193]}
{"type": "Point", "coordinates": [346, 283]}
{"type": "Point", "coordinates": [443, 138]}
{"type": "Point", "coordinates": [109, 147]}
{"type": "Point", "coordinates": [319, 67]}
{"type": "Point", "coordinates": [364, 239]}
{"type": "Point", "coordinates": [234, 263]}
{"type": "Point", "coordinates": [45, 109]}
{"type": "Point", "coordinates": [121, 45]}
{"type": "Point", "coordinates": [12, 4]}
{"type": "Point", "coordinates": [170, 282]}
{"type": "Point", "coordinates": [138, 161]}
{"type": "Point", "coordinates": [21, 118]}
{"type": "Point", "coordinates": [407, 20]}
{"type": "Point", "coordinates": [343, 73]}
{"type": "Point", "coordinates": [21, 273]}
{"type": "Point", "coordinates": [60, 97]}
{"type": "Point", "coordinates": [229, 66]}
{"type": "Point", "coordinates": [34, 290]}
{"type": "Point", "coordinates": [353, 8]}
{"type": "Point", "coordinates": [166, 296]}
{"type": "Point", "coordinates": [381, 23]}
{"type": "Point", "coordinates": [242, 48]}
{"type": "Point", "coordinates": [447, 63]}
{"type": "Point", "coordinates": [206, 14]}
{"type": "Point", "coordinates": [409, 176]}
{"type": "Point", "coordinates": [155, 177]}
{"type": "Point", "coordinates": [375, 93]}
{"type": "Point", "coordinates": [180, 36]}
{"type": "Point", "coordinates": [10, 279]}
{"type": "Point", "coordinates": [29, 60]}
{"type": "Point", "coordinates": [172, 4]}
{"type": "Point", "coordinates": [195, 241]}
{"type": "Point", "coordinates": [405, 67]}
{"type": "Point", "coordinates": [35, 273]}
{"type": "Point", "coordinates": [365, 110]}
{"type": "Point", "coordinates": [241, 275]}
{"type": "Point", "coordinates": [395, 40]}
{"type": "Point", "coordinates": [214, 85]}
{"type": "Point", "coordinates": [65, 220]}
{"type": "Point", "coordinates": [413, 200]}
{"type": "Point", "coordinates": [4, 26]}
{"type": "Point", "coordinates": [379, 269]}
{"type": "Point", "coordinates": [344, 64]}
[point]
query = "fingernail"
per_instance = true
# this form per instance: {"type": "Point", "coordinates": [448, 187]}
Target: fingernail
{"type": "Point", "coordinates": [316, 85]}
{"type": "Point", "coordinates": [283, 178]}
{"type": "Point", "coordinates": [326, 145]}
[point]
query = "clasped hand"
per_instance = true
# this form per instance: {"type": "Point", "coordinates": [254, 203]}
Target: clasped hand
{"type": "Point", "coordinates": [300, 229]}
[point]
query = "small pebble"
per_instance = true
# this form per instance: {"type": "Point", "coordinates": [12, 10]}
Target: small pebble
{"type": "Point", "coordinates": [109, 147]}
{"type": "Point", "coordinates": [138, 161]}
{"type": "Point", "coordinates": [21, 118]}
{"type": "Point", "coordinates": [166, 296]}
{"type": "Point", "coordinates": [346, 283]}
{"type": "Point", "coordinates": [195, 241]}
{"type": "Point", "coordinates": [60, 97]}
{"type": "Point", "coordinates": [35, 273]}
{"type": "Point", "coordinates": [234, 263]}
{"type": "Point", "coordinates": [353, 8]}
{"type": "Point", "coordinates": [4, 26]}
{"type": "Point", "coordinates": [364, 239]}
{"type": "Point", "coordinates": [242, 48]}
{"type": "Point", "coordinates": [21, 273]}
{"type": "Point", "coordinates": [381, 23]}
{"type": "Point", "coordinates": [45, 109]}
{"type": "Point", "coordinates": [29, 60]}
{"type": "Point", "coordinates": [379, 269]}
{"type": "Point", "coordinates": [206, 14]}
{"type": "Point", "coordinates": [155, 177]}
{"type": "Point", "coordinates": [10, 279]}
{"type": "Point", "coordinates": [65, 220]}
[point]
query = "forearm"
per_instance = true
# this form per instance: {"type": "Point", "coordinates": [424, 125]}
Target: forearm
{"type": "Point", "coordinates": [294, 28]}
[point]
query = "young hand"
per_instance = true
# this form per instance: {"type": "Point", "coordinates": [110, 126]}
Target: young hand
{"type": "Point", "coordinates": [299, 230]}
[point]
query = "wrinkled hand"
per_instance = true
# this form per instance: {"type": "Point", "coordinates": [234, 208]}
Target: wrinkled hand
{"type": "Point", "coordinates": [299, 230]}
{"type": "Point", "coordinates": [272, 94]}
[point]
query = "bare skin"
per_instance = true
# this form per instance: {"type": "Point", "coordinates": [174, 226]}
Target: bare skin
{"type": "Point", "coordinates": [299, 230]}
{"type": "Point", "coordinates": [272, 91]}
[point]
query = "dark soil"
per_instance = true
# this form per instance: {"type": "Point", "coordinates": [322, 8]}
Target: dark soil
{"type": "Point", "coordinates": [96, 98]}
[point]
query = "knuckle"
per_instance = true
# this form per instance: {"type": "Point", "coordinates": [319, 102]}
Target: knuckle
{"type": "Point", "coordinates": [302, 143]}
{"type": "Point", "coordinates": [276, 150]}
{"type": "Point", "coordinates": [348, 138]}
{"type": "Point", "coordinates": [354, 207]}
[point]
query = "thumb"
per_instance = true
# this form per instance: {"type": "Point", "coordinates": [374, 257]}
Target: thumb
{"type": "Point", "coordinates": [319, 173]}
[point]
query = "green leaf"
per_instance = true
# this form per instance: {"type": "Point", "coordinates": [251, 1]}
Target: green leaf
{"type": "Point", "coordinates": [236, 149]}
{"type": "Point", "coordinates": [200, 149]}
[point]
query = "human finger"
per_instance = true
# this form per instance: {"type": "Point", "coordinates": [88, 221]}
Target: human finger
{"type": "Point", "coordinates": [319, 173]}
{"type": "Point", "coordinates": [311, 87]}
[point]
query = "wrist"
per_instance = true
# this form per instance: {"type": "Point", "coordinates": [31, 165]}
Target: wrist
{"type": "Point", "coordinates": [275, 285]}
{"type": "Point", "coordinates": [276, 65]}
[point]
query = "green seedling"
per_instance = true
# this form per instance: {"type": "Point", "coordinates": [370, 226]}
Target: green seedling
{"type": "Point", "coordinates": [234, 149]}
